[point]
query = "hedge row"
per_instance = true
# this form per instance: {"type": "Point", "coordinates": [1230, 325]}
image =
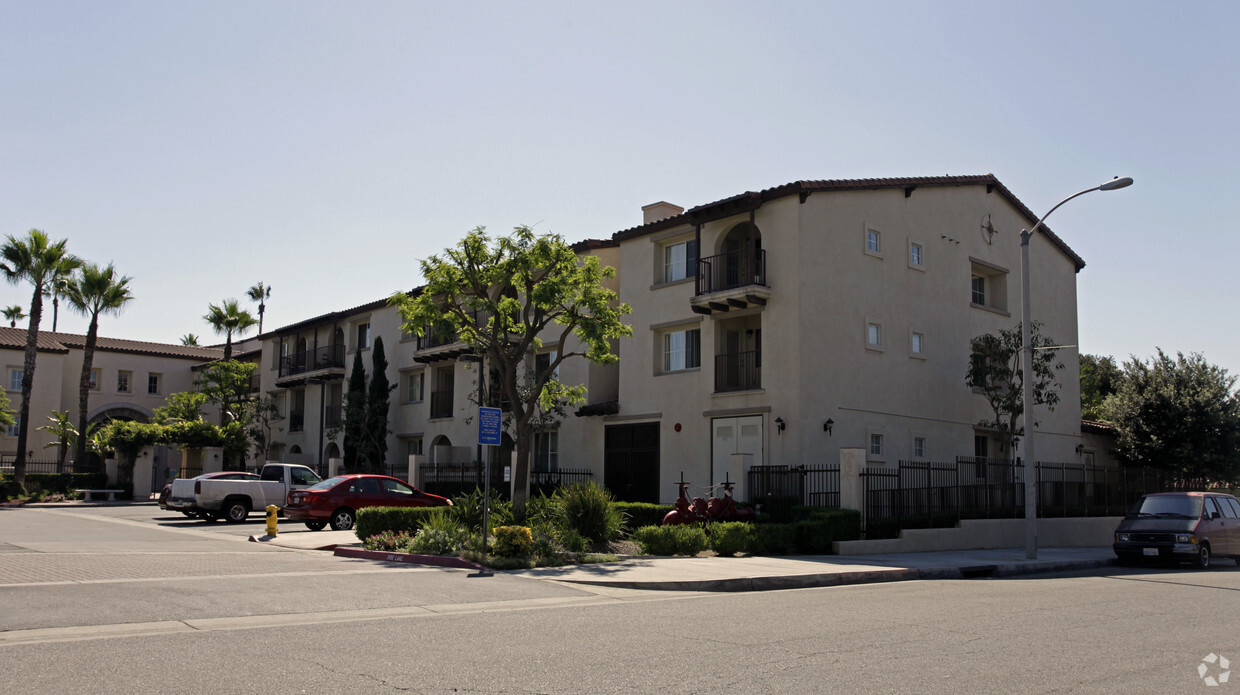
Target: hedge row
{"type": "Point", "coordinates": [372, 521]}
{"type": "Point", "coordinates": [812, 536]}
{"type": "Point", "coordinates": [639, 514]}
{"type": "Point", "coordinates": [63, 483]}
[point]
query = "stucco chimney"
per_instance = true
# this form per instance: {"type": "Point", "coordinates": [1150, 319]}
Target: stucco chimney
{"type": "Point", "coordinates": [659, 211]}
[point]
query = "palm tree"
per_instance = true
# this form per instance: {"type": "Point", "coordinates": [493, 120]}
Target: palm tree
{"type": "Point", "coordinates": [227, 318]}
{"type": "Point", "coordinates": [260, 293]}
{"type": "Point", "coordinates": [38, 261]}
{"type": "Point", "coordinates": [189, 339]}
{"type": "Point", "coordinates": [13, 314]}
{"type": "Point", "coordinates": [93, 292]}
{"type": "Point", "coordinates": [57, 287]}
{"type": "Point", "coordinates": [59, 424]}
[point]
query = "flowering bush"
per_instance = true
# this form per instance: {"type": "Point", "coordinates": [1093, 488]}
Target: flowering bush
{"type": "Point", "coordinates": [513, 541]}
{"type": "Point", "coordinates": [388, 541]}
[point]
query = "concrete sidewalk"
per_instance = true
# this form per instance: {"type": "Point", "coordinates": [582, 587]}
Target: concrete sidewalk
{"type": "Point", "coordinates": [769, 573]}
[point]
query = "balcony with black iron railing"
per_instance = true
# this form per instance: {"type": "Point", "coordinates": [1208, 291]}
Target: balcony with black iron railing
{"type": "Point", "coordinates": [738, 371]}
{"type": "Point", "coordinates": [333, 415]}
{"type": "Point", "coordinates": [732, 280]}
{"type": "Point", "coordinates": [297, 421]}
{"type": "Point", "coordinates": [319, 359]}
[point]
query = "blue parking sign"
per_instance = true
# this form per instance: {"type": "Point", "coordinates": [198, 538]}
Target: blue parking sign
{"type": "Point", "coordinates": [489, 425]}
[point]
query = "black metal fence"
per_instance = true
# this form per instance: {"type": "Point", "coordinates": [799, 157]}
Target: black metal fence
{"type": "Point", "coordinates": [462, 479]}
{"type": "Point", "coordinates": [778, 488]}
{"type": "Point", "coordinates": [923, 494]}
{"type": "Point", "coordinates": [45, 466]}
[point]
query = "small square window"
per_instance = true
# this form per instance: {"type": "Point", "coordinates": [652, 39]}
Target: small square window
{"type": "Point", "coordinates": [876, 445]}
{"type": "Point", "coordinates": [979, 290]}
{"type": "Point", "coordinates": [679, 260]}
{"type": "Point", "coordinates": [874, 335]}
{"type": "Point", "coordinates": [124, 382]}
{"type": "Point", "coordinates": [96, 375]}
{"type": "Point", "coordinates": [15, 379]}
{"type": "Point", "coordinates": [363, 336]}
{"type": "Point", "coordinates": [414, 386]}
{"type": "Point", "coordinates": [413, 446]}
{"type": "Point", "coordinates": [919, 447]}
{"type": "Point", "coordinates": [682, 350]}
{"type": "Point", "coordinates": [873, 241]}
{"type": "Point", "coordinates": [918, 344]}
{"type": "Point", "coordinates": [915, 254]}
{"type": "Point", "coordinates": [153, 384]}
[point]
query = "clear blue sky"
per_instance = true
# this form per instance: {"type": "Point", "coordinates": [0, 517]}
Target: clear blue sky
{"type": "Point", "coordinates": [324, 147]}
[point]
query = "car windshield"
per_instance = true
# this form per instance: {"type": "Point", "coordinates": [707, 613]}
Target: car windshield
{"type": "Point", "coordinates": [326, 484]}
{"type": "Point", "coordinates": [1173, 506]}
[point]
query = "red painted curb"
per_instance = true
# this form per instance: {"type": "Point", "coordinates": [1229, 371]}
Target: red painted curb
{"type": "Point", "coordinates": [432, 560]}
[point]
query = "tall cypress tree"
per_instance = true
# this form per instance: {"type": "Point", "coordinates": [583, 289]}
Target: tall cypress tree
{"type": "Point", "coordinates": [378, 404]}
{"type": "Point", "coordinates": [355, 417]}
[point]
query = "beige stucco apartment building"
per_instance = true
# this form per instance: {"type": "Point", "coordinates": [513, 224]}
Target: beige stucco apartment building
{"type": "Point", "coordinates": [769, 328]}
{"type": "Point", "coordinates": [789, 323]}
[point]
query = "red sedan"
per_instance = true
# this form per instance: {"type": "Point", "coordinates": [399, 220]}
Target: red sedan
{"type": "Point", "coordinates": [336, 500]}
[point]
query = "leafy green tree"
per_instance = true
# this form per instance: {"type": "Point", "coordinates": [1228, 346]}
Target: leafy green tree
{"type": "Point", "coordinates": [261, 428]}
{"type": "Point", "coordinates": [1181, 415]}
{"type": "Point", "coordinates": [502, 297]}
{"type": "Point", "coordinates": [227, 385]}
{"type": "Point", "coordinates": [14, 314]}
{"type": "Point", "coordinates": [183, 406]}
{"type": "Point", "coordinates": [995, 371]}
{"type": "Point", "coordinates": [260, 293]}
{"type": "Point", "coordinates": [355, 417]}
{"type": "Point", "coordinates": [1100, 377]}
{"type": "Point", "coordinates": [92, 292]}
{"type": "Point", "coordinates": [6, 410]}
{"type": "Point", "coordinates": [378, 406]}
{"type": "Point", "coordinates": [228, 319]}
{"type": "Point", "coordinates": [40, 262]}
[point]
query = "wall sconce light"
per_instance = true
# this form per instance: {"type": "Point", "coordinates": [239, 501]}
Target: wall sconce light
{"type": "Point", "coordinates": [826, 426]}
{"type": "Point", "coordinates": [780, 424]}
{"type": "Point", "coordinates": [1080, 449]}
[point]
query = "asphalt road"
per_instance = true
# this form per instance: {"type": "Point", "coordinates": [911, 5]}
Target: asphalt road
{"type": "Point", "coordinates": [165, 606]}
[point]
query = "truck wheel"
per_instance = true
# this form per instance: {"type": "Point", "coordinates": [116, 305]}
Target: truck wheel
{"type": "Point", "coordinates": [342, 519]}
{"type": "Point", "coordinates": [235, 511]}
{"type": "Point", "coordinates": [316, 525]}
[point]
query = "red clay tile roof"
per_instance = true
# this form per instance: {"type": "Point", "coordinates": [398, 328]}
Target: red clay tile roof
{"type": "Point", "coordinates": [751, 200]}
{"type": "Point", "coordinates": [15, 339]}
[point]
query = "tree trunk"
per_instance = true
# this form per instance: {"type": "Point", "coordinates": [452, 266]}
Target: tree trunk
{"type": "Point", "coordinates": [521, 469]}
{"type": "Point", "coordinates": [88, 361]}
{"type": "Point", "coordinates": [23, 424]}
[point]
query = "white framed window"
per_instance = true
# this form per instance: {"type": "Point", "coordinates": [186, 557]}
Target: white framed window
{"type": "Point", "coordinates": [873, 335]}
{"type": "Point", "coordinates": [96, 376]}
{"type": "Point", "coordinates": [543, 360]}
{"type": "Point", "coordinates": [547, 451]}
{"type": "Point", "coordinates": [917, 344]}
{"type": "Point", "coordinates": [363, 336]}
{"type": "Point", "coordinates": [124, 382]}
{"type": "Point", "coordinates": [15, 378]}
{"type": "Point", "coordinates": [679, 260]}
{"type": "Point", "coordinates": [916, 255]}
{"type": "Point", "coordinates": [876, 445]}
{"type": "Point", "coordinates": [413, 446]}
{"type": "Point", "coordinates": [919, 447]}
{"type": "Point", "coordinates": [873, 242]}
{"type": "Point", "coordinates": [154, 383]}
{"type": "Point", "coordinates": [281, 405]}
{"type": "Point", "coordinates": [682, 350]}
{"type": "Point", "coordinates": [415, 387]}
{"type": "Point", "coordinates": [988, 286]}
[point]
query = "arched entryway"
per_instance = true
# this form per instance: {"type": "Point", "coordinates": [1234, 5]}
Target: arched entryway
{"type": "Point", "coordinates": [744, 261]}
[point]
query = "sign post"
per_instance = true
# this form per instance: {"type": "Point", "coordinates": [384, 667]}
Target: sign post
{"type": "Point", "coordinates": [490, 423]}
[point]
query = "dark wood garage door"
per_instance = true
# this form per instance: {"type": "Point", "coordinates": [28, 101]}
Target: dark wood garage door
{"type": "Point", "coordinates": [631, 462]}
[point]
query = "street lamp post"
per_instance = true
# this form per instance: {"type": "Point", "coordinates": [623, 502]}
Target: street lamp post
{"type": "Point", "coordinates": [1026, 328]}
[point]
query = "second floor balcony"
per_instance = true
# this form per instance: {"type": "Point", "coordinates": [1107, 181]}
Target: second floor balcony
{"type": "Point", "coordinates": [328, 357]}
{"type": "Point", "coordinates": [441, 404]}
{"type": "Point", "coordinates": [738, 371]}
{"type": "Point", "coordinates": [731, 280]}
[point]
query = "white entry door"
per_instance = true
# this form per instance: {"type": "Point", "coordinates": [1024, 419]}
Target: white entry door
{"type": "Point", "coordinates": [735, 435]}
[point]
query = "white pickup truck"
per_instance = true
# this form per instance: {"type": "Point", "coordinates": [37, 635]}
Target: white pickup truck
{"type": "Point", "coordinates": [233, 500]}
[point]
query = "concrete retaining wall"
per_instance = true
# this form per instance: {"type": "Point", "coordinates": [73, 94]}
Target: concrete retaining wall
{"type": "Point", "coordinates": [978, 534]}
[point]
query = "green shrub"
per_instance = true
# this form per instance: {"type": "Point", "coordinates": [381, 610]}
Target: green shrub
{"type": "Point", "coordinates": [678, 539]}
{"type": "Point", "coordinates": [813, 536]}
{"type": "Point", "coordinates": [513, 541]}
{"type": "Point", "coordinates": [65, 483]}
{"type": "Point", "coordinates": [441, 534]}
{"type": "Point", "coordinates": [586, 507]}
{"type": "Point", "coordinates": [773, 539]}
{"type": "Point", "coordinates": [727, 538]}
{"type": "Point", "coordinates": [468, 510]}
{"type": "Point", "coordinates": [372, 521]}
{"type": "Point", "coordinates": [641, 514]}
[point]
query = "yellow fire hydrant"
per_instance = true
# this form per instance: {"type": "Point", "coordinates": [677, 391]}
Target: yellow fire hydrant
{"type": "Point", "coordinates": [272, 510]}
